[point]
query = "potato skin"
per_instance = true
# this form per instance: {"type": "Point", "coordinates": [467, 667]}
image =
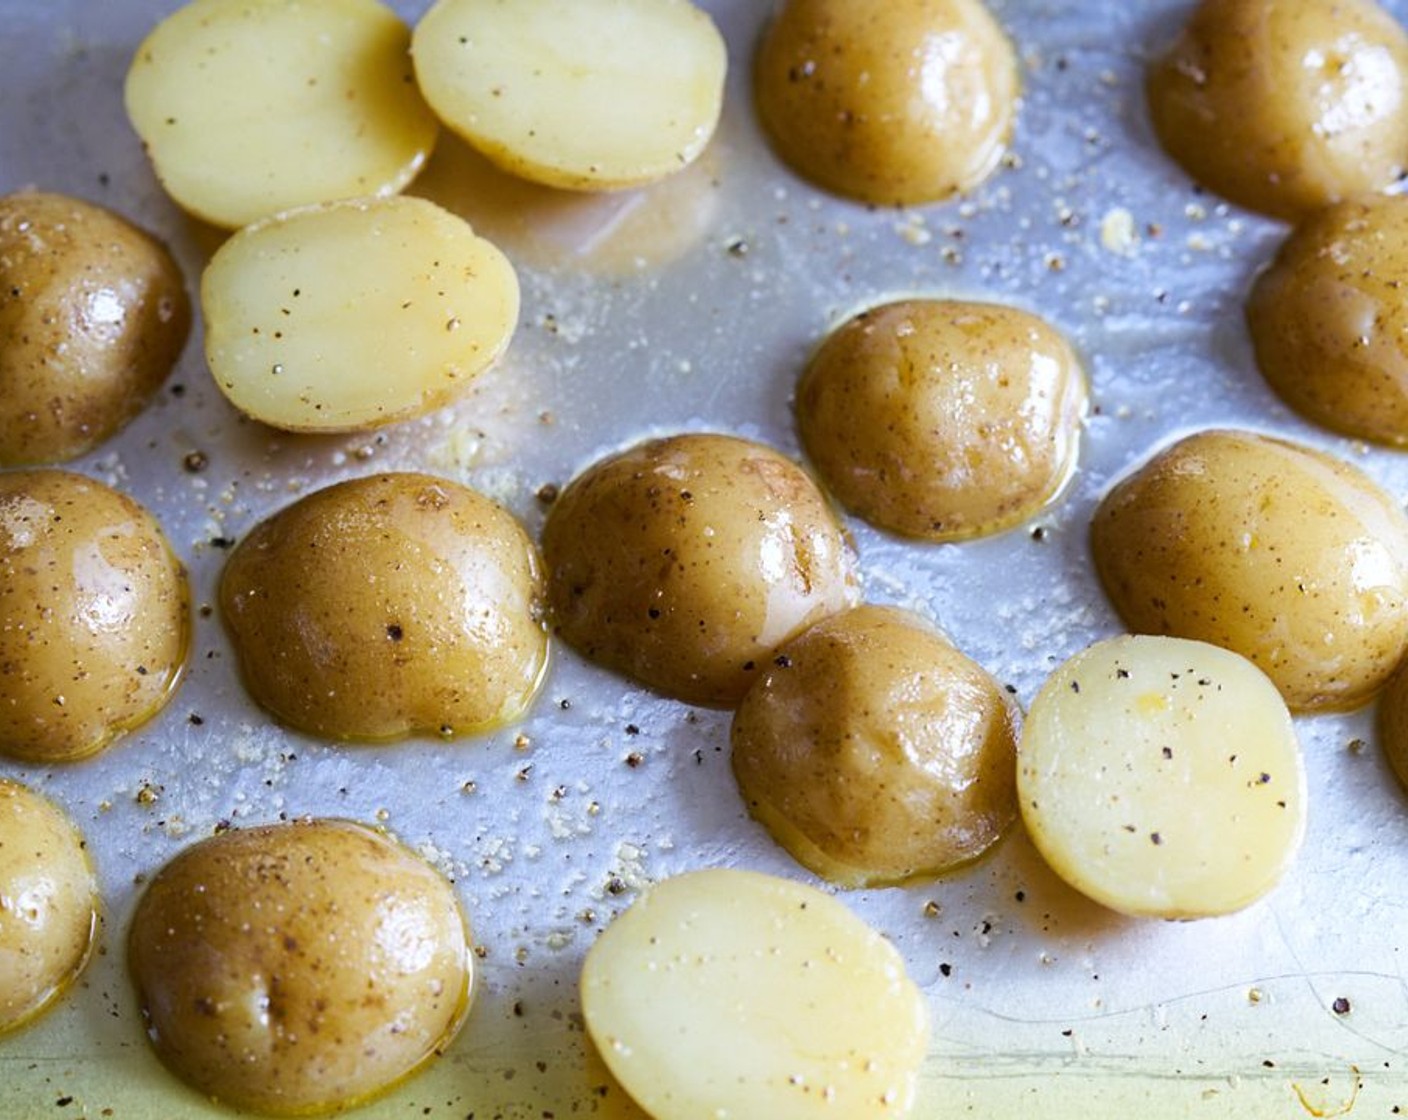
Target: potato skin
{"type": "Point", "coordinates": [299, 967]}
{"type": "Point", "coordinates": [48, 904]}
{"type": "Point", "coordinates": [1285, 106]}
{"type": "Point", "coordinates": [873, 750]}
{"type": "Point", "coordinates": [94, 615]}
{"type": "Point", "coordinates": [1329, 319]}
{"type": "Point", "coordinates": [1283, 554]}
{"type": "Point", "coordinates": [387, 606]}
{"type": "Point", "coordinates": [683, 562]}
{"type": "Point", "coordinates": [1393, 724]}
{"type": "Point", "coordinates": [93, 315]}
{"type": "Point", "coordinates": [941, 419]}
{"type": "Point", "coordinates": [896, 104]}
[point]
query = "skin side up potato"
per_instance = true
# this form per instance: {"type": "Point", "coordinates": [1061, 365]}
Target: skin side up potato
{"type": "Point", "coordinates": [93, 315]}
{"type": "Point", "coordinates": [300, 967]}
{"type": "Point", "coordinates": [1285, 106]}
{"type": "Point", "coordinates": [896, 104]}
{"type": "Point", "coordinates": [387, 606]}
{"type": "Point", "coordinates": [1292, 558]}
{"type": "Point", "coordinates": [874, 751]}
{"type": "Point", "coordinates": [683, 562]}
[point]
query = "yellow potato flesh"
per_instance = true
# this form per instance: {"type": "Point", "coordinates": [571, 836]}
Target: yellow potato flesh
{"type": "Point", "coordinates": [355, 314]}
{"type": "Point", "coordinates": [734, 995]}
{"type": "Point", "coordinates": [580, 94]}
{"type": "Point", "coordinates": [48, 904]}
{"type": "Point", "coordinates": [248, 109]}
{"type": "Point", "coordinates": [1162, 777]}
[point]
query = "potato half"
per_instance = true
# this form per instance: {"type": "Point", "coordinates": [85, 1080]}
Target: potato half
{"type": "Point", "coordinates": [943, 419]}
{"type": "Point", "coordinates": [1329, 319]}
{"type": "Point", "coordinates": [895, 103]}
{"type": "Point", "coordinates": [730, 993]}
{"type": "Point", "coordinates": [1285, 106]}
{"type": "Point", "coordinates": [251, 107]}
{"type": "Point", "coordinates": [94, 615]}
{"type": "Point", "coordinates": [48, 904]}
{"type": "Point", "coordinates": [1162, 777]}
{"type": "Point", "coordinates": [684, 562]}
{"type": "Point", "coordinates": [388, 606]}
{"type": "Point", "coordinates": [355, 314]}
{"type": "Point", "coordinates": [873, 750]}
{"type": "Point", "coordinates": [581, 94]}
{"type": "Point", "coordinates": [93, 315]}
{"type": "Point", "coordinates": [1278, 552]}
{"type": "Point", "coordinates": [300, 967]}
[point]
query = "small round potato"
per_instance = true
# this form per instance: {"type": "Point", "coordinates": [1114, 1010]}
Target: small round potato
{"type": "Point", "coordinates": [388, 606]}
{"type": "Point", "coordinates": [93, 315]}
{"type": "Point", "coordinates": [577, 94]}
{"type": "Point", "coordinates": [897, 104]}
{"type": "Point", "coordinates": [684, 562]}
{"type": "Point", "coordinates": [48, 904]}
{"type": "Point", "coordinates": [1278, 552]}
{"type": "Point", "coordinates": [1393, 723]}
{"type": "Point", "coordinates": [943, 420]}
{"type": "Point", "coordinates": [1285, 106]}
{"type": "Point", "coordinates": [727, 993]}
{"type": "Point", "coordinates": [94, 615]}
{"type": "Point", "coordinates": [248, 109]}
{"type": "Point", "coordinates": [873, 750]}
{"type": "Point", "coordinates": [1162, 777]}
{"type": "Point", "coordinates": [1329, 319]}
{"type": "Point", "coordinates": [299, 967]}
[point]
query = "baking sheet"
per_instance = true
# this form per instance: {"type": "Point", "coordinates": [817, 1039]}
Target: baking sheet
{"type": "Point", "coordinates": [691, 306]}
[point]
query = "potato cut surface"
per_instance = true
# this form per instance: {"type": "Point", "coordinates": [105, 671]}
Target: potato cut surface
{"type": "Point", "coordinates": [1162, 777]}
{"type": "Point", "coordinates": [733, 995]}
{"type": "Point", "coordinates": [249, 108]}
{"type": "Point", "coordinates": [581, 94]}
{"type": "Point", "coordinates": [355, 314]}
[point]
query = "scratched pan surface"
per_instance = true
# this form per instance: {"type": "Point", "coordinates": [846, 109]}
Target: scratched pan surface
{"type": "Point", "coordinates": [691, 306]}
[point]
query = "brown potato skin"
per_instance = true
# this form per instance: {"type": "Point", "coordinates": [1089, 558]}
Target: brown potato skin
{"type": "Point", "coordinates": [857, 96]}
{"type": "Point", "coordinates": [683, 562]}
{"type": "Point", "coordinates": [48, 904]}
{"type": "Point", "coordinates": [1285, 106]}
{"type": "Point", "coordinates": [1393, 724]}
{"type": "Point", "coordinates": [875, 751]}
{"type": "Point", "coordinates": [299, 967]}
{"type": "Point", "coordinates": [1277, 552]}
{"type": "Point", "coordinates": [387, 606]}
{"type": "Point", "coordinates": [93, 315]}
{"type": "Point", "coordinates": [1329, 319]}
{"type": "Point", "coordinates": [94, 615]}
{"type": "Point", "coordinates": [941, 419]}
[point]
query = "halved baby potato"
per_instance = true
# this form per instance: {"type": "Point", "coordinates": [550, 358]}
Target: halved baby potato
{"type": "Point", "coordinates": [579, 94]}
{"type": "Point", "coordinates": [352, 315]}
{"type": "Point", "coordinates": [254, 107]}
{"type": "Point", "coordinates": [727, 993]}
{"type": "Point", "coordinates": [1162, 777]}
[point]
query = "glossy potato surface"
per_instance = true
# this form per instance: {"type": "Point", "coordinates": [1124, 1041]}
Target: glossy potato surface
{"type": "Point", "coordinates": [576, 94]}
{"type": "Point", "coordinates": [254, 107]}
{"type": "Point", "coordinates": [896, 103]}
{"type": "Point", "coordinates": [1162, 777]}
{"type": "Point", "coordinates": [48, 904]}
{"type": "Point", "coordinates": [1285, 106]}
{"type": "Point", "coordinates": [684, 562]}
{"type": "Point", "coordinates": [387, 606]}
{"type": "Point", "coordinates": [1283, 554]}
{"type": "Point", "coordinates": [94, 615]}
{"type": "Point", "coordinates": [298, 968]}
{"type": "Point", "coordinates": [352, 315]}
{"type": "Point", "coordinates": [93, 315]}
{"type": "Point", "coordinates": [1329, 319]}
{"type": "Point", "coordinates": [943, 419]}
{"type": "Point", "coordinates": [727, 993]}
{"type": "Point", "coordinates": [873, 750]}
